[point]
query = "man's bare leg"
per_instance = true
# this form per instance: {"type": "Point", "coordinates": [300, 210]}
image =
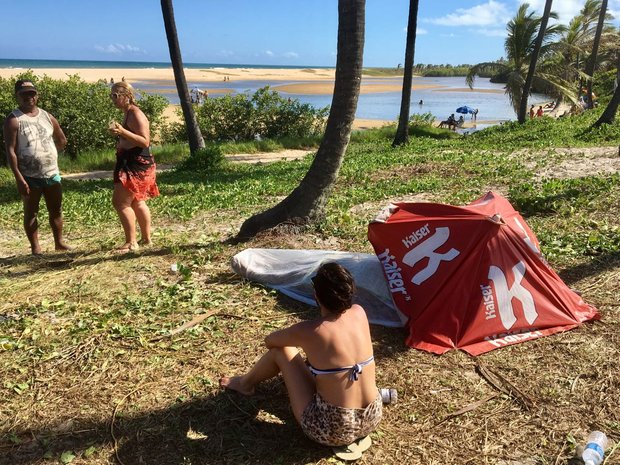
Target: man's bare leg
{"type": "Point", "coordinates": [53, 200]}
{"type": "Point", "coordinates": [31, 223]}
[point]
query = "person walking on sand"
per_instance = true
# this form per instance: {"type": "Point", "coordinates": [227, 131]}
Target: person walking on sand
{"type": "Point", "coordinates": [333, 393]}
{"type": "Point", "coordinates": [540, 112]}
{"type": "Point", "coordinates": [532, 112]}
{"type": "Point", "coordinates": [32, 139]}
{"type": "Point", "coordinates": [134, 173]}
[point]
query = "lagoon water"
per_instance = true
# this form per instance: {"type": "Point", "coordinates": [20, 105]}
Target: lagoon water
{"type": "Point", "coordinates": [440, 102]}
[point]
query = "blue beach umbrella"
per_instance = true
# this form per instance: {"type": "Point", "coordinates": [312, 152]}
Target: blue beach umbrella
{"type": "Point", "coordinates": [465, 109]}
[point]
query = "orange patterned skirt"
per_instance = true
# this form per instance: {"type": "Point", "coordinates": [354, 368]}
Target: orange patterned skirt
{"type": "Point", "coordinates": [135, 170]}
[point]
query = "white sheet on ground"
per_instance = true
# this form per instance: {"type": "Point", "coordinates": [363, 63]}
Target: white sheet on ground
{"type": "Point", "coordinates": [289, 271]}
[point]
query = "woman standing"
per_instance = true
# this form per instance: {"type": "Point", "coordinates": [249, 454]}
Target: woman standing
{"type": "Point", "coordinates": [334, 397]}
{"type": "Point", "coordinates": [134, 173]}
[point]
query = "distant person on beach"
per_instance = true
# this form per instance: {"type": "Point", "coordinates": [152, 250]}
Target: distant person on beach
{"type": "Point", "coordinates": [532, 112]}
{"type": "Point", "coordinates": [332, 390]}
{"type": "Point", "coordinates": [111, 80]}
{"type": "Point", "coordinates": [540, 111]}
{"type": "Point", "coordinates": [32, 139]}
{"type": "Point", "coordinates": [421, 102]}
{"type": "Point", "coordinates": [134, 173]}
{"type": "Point", "coordinates": [474, 115]}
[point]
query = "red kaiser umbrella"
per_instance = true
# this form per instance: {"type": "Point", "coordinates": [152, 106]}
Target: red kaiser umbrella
{"type": "Point", "coordinates": [471, 277]}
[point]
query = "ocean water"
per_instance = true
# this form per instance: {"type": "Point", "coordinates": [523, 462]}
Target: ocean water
{"type": "Point", "coordinates": [382, 105]}
{"type": "Point", "coordinates": [34, 64]}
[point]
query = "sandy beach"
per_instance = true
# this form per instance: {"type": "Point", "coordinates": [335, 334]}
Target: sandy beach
{"type": "Point", "coordinates": [165, 75]}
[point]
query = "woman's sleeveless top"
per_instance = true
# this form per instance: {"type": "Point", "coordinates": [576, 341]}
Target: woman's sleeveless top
{"type": "Point", "coordinates": [37, 156]}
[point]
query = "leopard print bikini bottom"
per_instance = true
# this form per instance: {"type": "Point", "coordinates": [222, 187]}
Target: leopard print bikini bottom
{"type": "Point", "coordinates": [338, 426]}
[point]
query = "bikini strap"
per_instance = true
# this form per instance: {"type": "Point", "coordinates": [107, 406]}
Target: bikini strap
{"type": "Point", "coordinates": [354, 370]}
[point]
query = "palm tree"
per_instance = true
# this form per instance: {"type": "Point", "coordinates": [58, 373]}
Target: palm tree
{"type": "Point", "coordinates": [609, 115]}
{"type": "Point", "coordinates": [402, 133]}
{"type": "Point", "coordinates": [519, 45]}
{"type": "Point", "coordinates": [533, 60]}
{"type": "Point", "coordinates": [307, 200]}
{"type": "Point", "coordinates": [595, 45]}
{"type": "Point", "coordinates": [196, 141]}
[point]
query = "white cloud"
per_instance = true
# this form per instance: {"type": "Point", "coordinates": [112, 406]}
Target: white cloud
{"type": "Point", "coordinates": [491, 13]}
{"type": "Point", "coordinates": [119, 49]}
{"type": "Point", "coordinates": [291, 55]}
{"type": "Point", "coordinates": [491, 32]}
{"type": "Point", "coordinates": [226, 53]}
{"type": "Point", "coordinates": [568, 9]}
{"type": "Point", "coordinates": [269, 53]}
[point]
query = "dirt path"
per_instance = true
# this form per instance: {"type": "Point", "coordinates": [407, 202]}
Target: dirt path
{"type": "Point", "coordinates": [261, 157]}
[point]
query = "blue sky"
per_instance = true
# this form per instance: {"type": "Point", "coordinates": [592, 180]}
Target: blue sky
{"type": "Point", "coordinates": [270, 32]}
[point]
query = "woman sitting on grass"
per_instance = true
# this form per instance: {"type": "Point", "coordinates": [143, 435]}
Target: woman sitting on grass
{"type": "Point", "coordinates": [334, 397]}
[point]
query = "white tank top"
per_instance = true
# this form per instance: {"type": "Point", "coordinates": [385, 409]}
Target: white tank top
{"type": "Point", "coordinates": [37, 156]}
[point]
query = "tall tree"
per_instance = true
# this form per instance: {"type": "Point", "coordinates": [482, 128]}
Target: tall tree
{"type": "Point", "coordinates": [595, 45]}
{"type": "Point", "coordinates": [402, 133]}
{"type": "Point", "coordinates": [194, 136]}
{"type": "Point", "coordinates": [519, 43]}
{"type": "Point", "coordinates": [307, 201]}
{"type": "Point", "coordinates": [527, 86]}
{"type": "Point", "coordinates": [609, 115]}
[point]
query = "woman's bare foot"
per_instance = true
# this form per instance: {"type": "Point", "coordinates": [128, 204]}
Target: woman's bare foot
{"type": "Point", "coordinates": [36, 251]}
{"type": "Point", "coordinates": [235, 383]}
{"type": "Point", "coordinates": [145, 242]}
{"type": "Point", "coordinates": [127, 247]}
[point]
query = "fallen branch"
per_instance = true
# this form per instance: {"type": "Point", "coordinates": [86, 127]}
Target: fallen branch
{"type": "Point", "coordinates": [503, 385]}
{"type": "Point", "coordinates": [193, 322]}
{"type": "Point", "coordinates": [467, 408]}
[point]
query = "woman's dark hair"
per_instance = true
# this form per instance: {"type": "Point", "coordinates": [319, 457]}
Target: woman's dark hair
{"type": "Point", "coordinates": [334, 287]}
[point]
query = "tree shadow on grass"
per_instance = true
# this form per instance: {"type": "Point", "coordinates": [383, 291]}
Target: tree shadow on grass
{"type": "Point", "coordinates": [220, 429]}
{"type": "Point", "coordinates": [67, 260]}
{"type": "Point", "coordinates": [598, 265]}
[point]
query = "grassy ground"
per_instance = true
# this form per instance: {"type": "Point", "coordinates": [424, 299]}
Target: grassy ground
{"type": "Point", "coordinates": [91, 373]}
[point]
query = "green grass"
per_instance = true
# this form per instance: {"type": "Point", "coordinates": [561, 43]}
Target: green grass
{"type": "Point", "coordinates": [84, 336]}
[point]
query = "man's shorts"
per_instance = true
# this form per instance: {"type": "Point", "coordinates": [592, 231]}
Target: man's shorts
{"type": "Point", "coordinates": [42, 183]}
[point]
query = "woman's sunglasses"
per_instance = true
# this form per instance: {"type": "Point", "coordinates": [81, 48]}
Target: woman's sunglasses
{"type": "Point", "coordinates": [115, 95]}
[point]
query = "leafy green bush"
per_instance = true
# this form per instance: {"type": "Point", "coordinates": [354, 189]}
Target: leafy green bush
{"type": "Point", "coordinates": [82, 109]}
{"type": "Point", "coordinates": [243, 117]}
{"type": "Point", "coordinates": [421, 119]}
{"type": "Point", "coordinates": [203, 159]}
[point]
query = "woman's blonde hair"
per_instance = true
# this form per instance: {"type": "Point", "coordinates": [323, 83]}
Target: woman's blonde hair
{"type": "Point", "coordinates": [125, 88]}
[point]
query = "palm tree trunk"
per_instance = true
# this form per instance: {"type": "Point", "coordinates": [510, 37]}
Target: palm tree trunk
{"type": "Point", "coordinates": [609, 115]}
{"type": "Point", "coordinates": [595, 45]}
{"type": "Point", "coordinates": [305, 204]}
{"type": "Point", "coordinates": [194, 136]}
{"type": "Point", "coordinates": [527, 85]}
{"type": "Point", "coordinates": [402, 133]}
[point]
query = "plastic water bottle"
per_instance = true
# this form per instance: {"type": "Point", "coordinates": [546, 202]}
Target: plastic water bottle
{"type": "Point", "coordinates": [595, 448]}
{"type": "Point", "coordinates": [389, 395]}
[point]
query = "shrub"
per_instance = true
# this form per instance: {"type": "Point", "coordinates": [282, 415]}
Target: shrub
{"type": "Point", "coordinates": [243, 117]}
{"type": "Point", "coordinates": [203, 159]}
{"type": "Point", "coordinates": [82, 109]}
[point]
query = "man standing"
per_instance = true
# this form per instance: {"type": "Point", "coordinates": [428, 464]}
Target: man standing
{"type": "Point", "coordinates": [32, 138]}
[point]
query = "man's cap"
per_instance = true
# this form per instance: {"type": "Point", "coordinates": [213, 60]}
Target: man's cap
{"type": "Point", "coordinates": [24, 86]}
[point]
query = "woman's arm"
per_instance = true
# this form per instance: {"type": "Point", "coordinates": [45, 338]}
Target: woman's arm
{"type": "Point", "coordinates": [293, 336]}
